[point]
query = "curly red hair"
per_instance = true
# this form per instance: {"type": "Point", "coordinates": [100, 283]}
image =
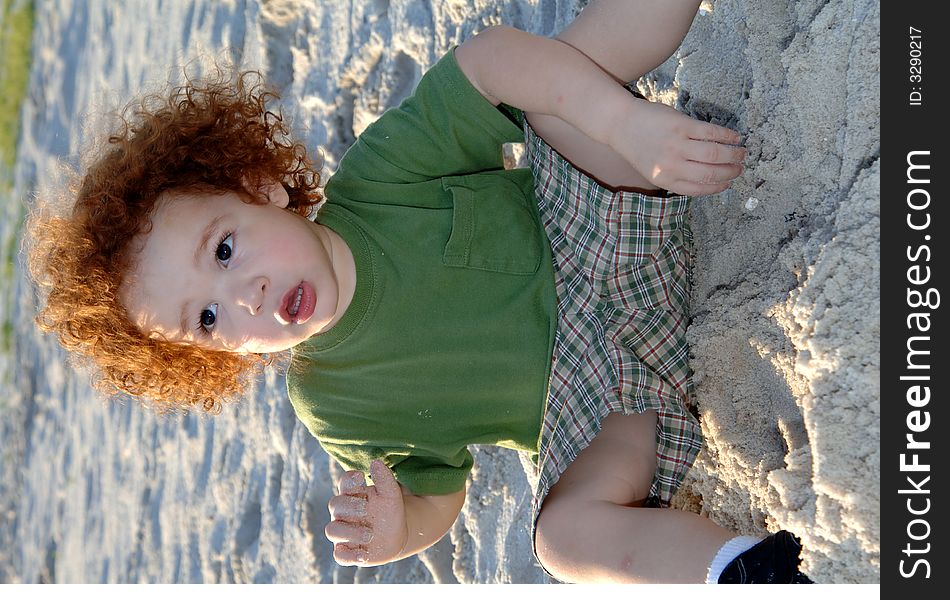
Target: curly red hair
{"type": "Point", "coordinates": [216, 134]}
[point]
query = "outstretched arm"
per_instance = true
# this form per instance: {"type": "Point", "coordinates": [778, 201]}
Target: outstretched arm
{"type": "Point", "coordinates": [621, 140]}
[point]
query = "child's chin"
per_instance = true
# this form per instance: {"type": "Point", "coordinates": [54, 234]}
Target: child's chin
{"type": "Point", "coordinates": [268, 348]}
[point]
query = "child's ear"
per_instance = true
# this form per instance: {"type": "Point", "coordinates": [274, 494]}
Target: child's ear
{"type": "Point", "coordinates": [271, 191]}
{"type": "Point", "coordinates": [276, 194]}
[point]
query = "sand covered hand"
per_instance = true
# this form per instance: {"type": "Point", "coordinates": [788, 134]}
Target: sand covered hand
{"type": "Point", "coordinates": [678, 153]}
{"type": "Point", "coordinates": [368, 522]}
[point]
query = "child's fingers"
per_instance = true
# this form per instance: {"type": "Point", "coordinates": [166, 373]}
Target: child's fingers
{"type": "Point", "coordinates": [714, 153]}
{"type": "Point", "coordinates": [351, 479]}
{"type": "Point", "coordinates": [348, 555]}
{"type": "Point", "coordinates": [714, 133]}
{"type": "Point", "coordinates": [344, 531]}
{"type": "Point", "coordinates": [384, 480]}
{"type": "Point", "coordinates": [347, 507]}
{"type": "Point", "coordinates": [359, 491]}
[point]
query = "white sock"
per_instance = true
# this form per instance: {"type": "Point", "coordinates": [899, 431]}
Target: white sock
{"type": "Point", "coordinates": [729, 551]}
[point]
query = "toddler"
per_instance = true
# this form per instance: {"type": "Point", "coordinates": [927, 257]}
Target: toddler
{"type": "Point", "coordinates": [438, 299]}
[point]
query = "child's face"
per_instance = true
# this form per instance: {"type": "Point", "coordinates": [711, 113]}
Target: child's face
{"type": "Point", "coordinates": [219, 273]}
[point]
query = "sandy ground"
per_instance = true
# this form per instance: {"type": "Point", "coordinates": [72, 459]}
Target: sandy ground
{"type": "Point", "coordinates": [785, 334]}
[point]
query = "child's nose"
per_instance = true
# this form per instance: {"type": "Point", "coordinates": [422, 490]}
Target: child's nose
{"type": "Point", "coordinates": [251, 295]}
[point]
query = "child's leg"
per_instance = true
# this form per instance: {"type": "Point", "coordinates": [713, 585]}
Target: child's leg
{"type": "Point", "coordinates": [627, 39]}
{"type": "Point", "coordinates": [591, 530]}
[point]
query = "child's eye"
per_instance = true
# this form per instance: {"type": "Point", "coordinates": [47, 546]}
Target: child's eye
{"type": "Point", "coordinates": [225, 249]}
{"type": "Point", "coordinates": [207, 319]}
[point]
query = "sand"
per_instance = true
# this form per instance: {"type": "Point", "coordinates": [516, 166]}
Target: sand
{"type": "Point", "coordinates": [785, 331]}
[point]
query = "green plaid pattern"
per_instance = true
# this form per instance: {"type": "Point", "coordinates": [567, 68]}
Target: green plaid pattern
{"type": "Point", "coordinates": [621, 262]}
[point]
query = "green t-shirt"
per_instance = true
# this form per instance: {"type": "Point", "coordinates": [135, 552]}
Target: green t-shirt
{"type": "Point", "coordinates": [448, 339]}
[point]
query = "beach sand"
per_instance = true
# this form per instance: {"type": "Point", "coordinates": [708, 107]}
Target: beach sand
{"type": "Point", "coordinates": [784, 337]}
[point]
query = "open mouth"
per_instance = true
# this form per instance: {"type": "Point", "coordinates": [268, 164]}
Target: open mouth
{"type": "Point", "coordinates": [298, 303]}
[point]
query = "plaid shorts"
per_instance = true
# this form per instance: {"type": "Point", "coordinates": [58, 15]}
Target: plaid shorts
{"type": "Point", "coordinates": [622, 272]}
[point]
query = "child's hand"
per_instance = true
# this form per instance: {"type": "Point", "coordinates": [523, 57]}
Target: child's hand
{"type": "Point", "coordinates": [368, 523]}
{"type": "Point", "coordinates": [677, 153]}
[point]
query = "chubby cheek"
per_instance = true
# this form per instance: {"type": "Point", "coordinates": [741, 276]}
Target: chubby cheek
{"type": "Point", "coordinates": [294, 253]}
{"type": "Point", "coordinates": [285, 246]}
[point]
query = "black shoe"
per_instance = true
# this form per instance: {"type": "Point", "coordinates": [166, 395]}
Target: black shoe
{"type": "Point", "coordinates": [773, 560]}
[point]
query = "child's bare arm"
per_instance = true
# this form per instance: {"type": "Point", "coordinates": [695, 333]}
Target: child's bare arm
{"type": "Point", "coordinates": [629, 38]}
{"type": "Point", "coordinates": [428, 518]}
{"type": "Point", "coordinates": [541, 75]}
{"type": "Point", "coordinates": [382, 523]}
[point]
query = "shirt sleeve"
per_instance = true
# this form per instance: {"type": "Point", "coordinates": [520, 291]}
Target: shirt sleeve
{"type": "Point", "coordinates": [422, 475]}
{"type": "Point", "coordinates": [446, 127]}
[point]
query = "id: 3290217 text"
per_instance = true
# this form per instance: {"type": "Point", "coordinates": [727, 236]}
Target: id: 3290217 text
{"type": "Point", "coordinates": [915, 65]}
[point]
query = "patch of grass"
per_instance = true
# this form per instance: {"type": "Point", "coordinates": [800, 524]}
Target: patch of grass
{"type": "Point", "coordinates": [17, 214]}
{"type": "Point", "coordinates": [6, 338]}
{"type": "Point", "coordinates": [16, 37]}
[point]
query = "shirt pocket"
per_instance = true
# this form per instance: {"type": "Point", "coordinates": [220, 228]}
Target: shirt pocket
{"type": "Point", "coordinates": [493, 226]}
